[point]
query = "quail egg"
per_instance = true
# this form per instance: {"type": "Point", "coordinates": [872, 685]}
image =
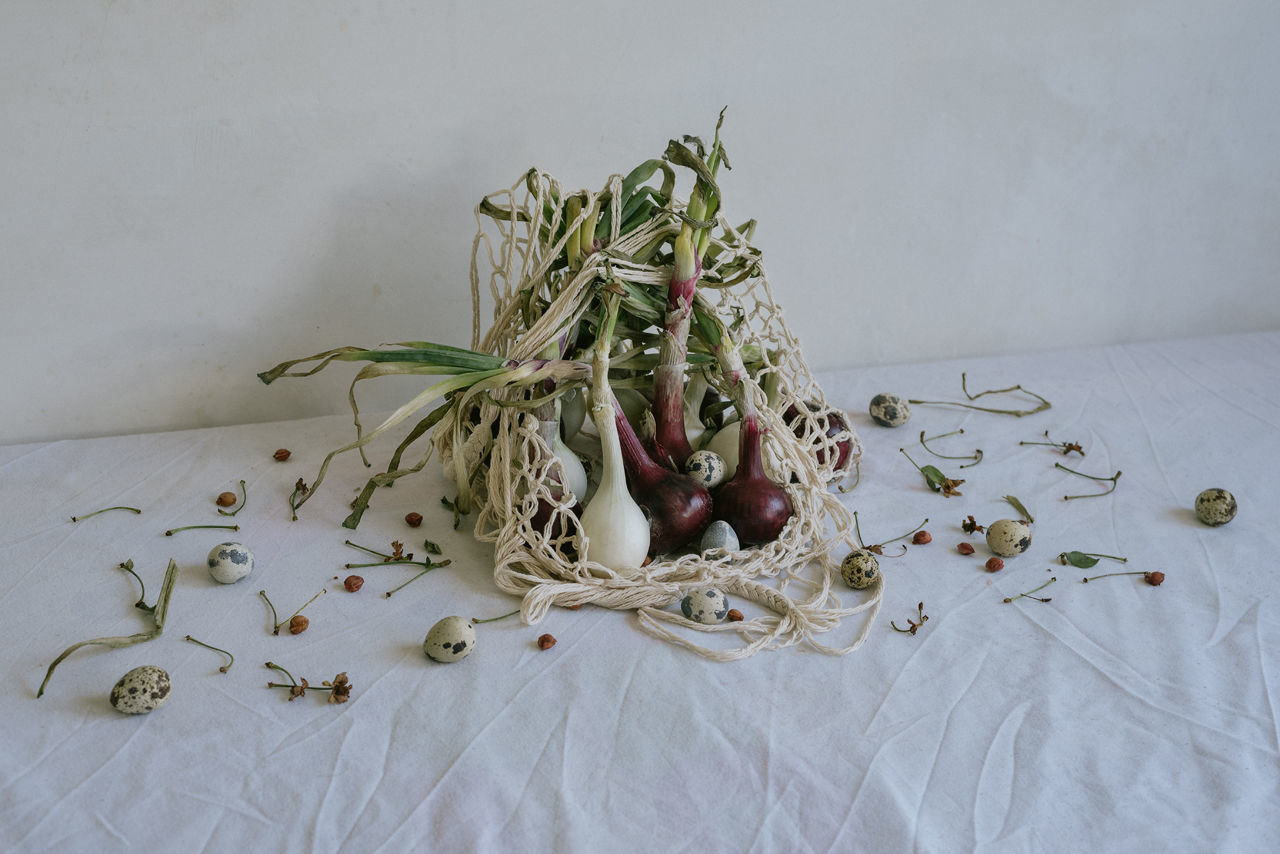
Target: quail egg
{"type": "Point", "coordinates": [230, 562]}
{"type": "Point", "coordinates": [451, 639]}
{"type": "Point", "coordinates": [706, 467]}
{"type": "Point", "coordinates": [860, 569]}
{"type": "Point", "coordinates": [889, 410]}
{"type": "Point", "coordinates": [719, 536]}
{"type": "Point", "coordinates": [1009, 537]}
{"type": "Point", "coordinates": [141, 690]}
{"type": "Point", "coordinates": [1215, 507]}
{"type": "Point", "coordinates": [707, 605]}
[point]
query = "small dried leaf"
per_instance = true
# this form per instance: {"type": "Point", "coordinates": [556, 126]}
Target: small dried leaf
{"type": "Point", "coordinates": [1078, 559]}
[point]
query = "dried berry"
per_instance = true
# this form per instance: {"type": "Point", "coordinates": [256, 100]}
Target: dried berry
{"type": "Point", "coordinates": [226, 499]}
{"type": "Point", "coordinates": [921, 538]}
{"type": "Point", "coordinates": [546, 641]}
{"type": "Point", "coordinates": [965, 549]}
{"type": "Point", "coordinates": [734, 615]}
{"type": "Point", "coordinates": [413, 520]}
{"type": "Point", "coordinates": [281, 455]}
{"type": "Point", "coordinates": [995, 564]}
{"type": "Point", "coordinates": [353, 583]}
{"type": "Point", "coordinates": [1155, 579]}
{"type": "Point", "coordinates": [298, 624]}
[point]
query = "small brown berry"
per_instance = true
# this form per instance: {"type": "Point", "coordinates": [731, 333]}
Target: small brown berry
{"type": "Point", "coordinates": [734, 615]}
{"type": "Point", "coordinates": [298, 624]}
{"type": "Point", "coordinates": [281, 455]}
{"type": "Point", "coordinates": [226, 499]}
{"type": "Point", "coordinates": [1155, 579]}
{"type": "Point", "coordinates": [922, 537]}
{"type": "Point", "coordinates": [995, 564]}
{"type": "Point", "coordinates": [965, 549]}
{"type": "Point", "coordinates": [413, 520]}
{"type": "Point", "coordinates": [546, 641]}
{"type": "Point", "coordinates": [353, 583]}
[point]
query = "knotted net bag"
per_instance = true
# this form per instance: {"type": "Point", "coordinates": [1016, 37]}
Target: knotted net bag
{"type": "Point", "coordinates": [505, 460]}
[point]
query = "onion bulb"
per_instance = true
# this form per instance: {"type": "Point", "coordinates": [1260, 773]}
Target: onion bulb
{"type": "Point", "coordinates": [725, 443]}
{"type": "Point", "coordinates": [755, 507]}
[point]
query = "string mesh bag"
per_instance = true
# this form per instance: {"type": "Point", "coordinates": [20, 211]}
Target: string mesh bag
{"type": "Point", "coordinates": [500, 456]}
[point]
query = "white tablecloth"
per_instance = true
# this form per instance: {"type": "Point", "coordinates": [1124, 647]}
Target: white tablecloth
{"type": "Point", "coordinates": [1117, 717]}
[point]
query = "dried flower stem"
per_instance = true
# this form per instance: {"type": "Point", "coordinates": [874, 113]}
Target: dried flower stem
{"type": "Point", "coordinates": [276, 630]}
{"type": "Point", "coordinates": [103, 510]}
{"type": "Point", "coordinates": [275, 619]}
{"type": "Point", "coordinates": [299, 495]}
{"type": "Point", "coordinates": [244, 496]}
{"type": "Point", "coordinates": [913, 626]}
{"type": "Point", "coordinates": [231, 658]}
{"type": "Point", "coordinates": [857, 477]}
{"type": "Point", "coordinates": [367, 550]}
{"type": "Point", "coordinates": [1111, 574]}
{"type": "Point", "coordinates": [339, 689]}
{"type": "Point", "coordinates": [495, 619]}
{"type": "Point", "coordinates": [1037, 590]}
{"type": "Point", "coordinates": [976, 456]}
{"type": "Point", "coordinates": [274, 666]}
{"type": "Point", "coordinates": [1065, 447]}
{"type": "Point", "coordinates": [878, 547]}
{"type": "Point", "coordinates": [141, 604]}
{"type": "Point", "coordinates": [1114, 479]}
{"type": "Point", "coordinates": [1044, 404]}
{"type": "Point", "coordinates": [429, 566]}
{"type": "Point", "coordinates": [172, 531]}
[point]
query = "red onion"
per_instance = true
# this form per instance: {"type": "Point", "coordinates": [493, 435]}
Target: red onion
{"type": "Point", "coordinates": [835, 424]}
{"type": "Point", "coordinates": [678, 507]}
{"type": "Point", "coordinates": [553, 525]}
{"type": "Point", "coordinates": [755, 507]}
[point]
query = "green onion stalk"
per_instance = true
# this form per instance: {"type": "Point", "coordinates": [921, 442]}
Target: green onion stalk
{"type": "Point", "coordinates": [755, 507]}
{"type": "Point", "coordinates": [671, 440]}
{"type": "Point", "coordinates": [469, 375]}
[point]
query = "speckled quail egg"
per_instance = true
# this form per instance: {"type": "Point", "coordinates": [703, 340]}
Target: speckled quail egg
{"type": "Point", "coordinates": [141, 690]}
{"type": "Point", "coordinates": [451, 639]}
{"type": "Point", "coordinates": [1009, 537]}
{"type": "Point", "coordinates": [889, 410]}
{"type": "Point", "coordinates": [707, 605]}
{"type": "Point", "coordinates": [860, 569]}
{"type": "Point", "coordinates": [706, 467]}
{"type": "Point", "coordinates": [719, 536]}
{"type": "Point", "coordinates": [1215, 507]}
{"type": "Point", "coordinates": [230, 562]}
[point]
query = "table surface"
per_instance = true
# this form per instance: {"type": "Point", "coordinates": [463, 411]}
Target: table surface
{"type": "Point", "coordinates": [1116, 716]}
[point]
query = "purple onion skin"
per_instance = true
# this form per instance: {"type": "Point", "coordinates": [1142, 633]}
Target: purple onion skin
{"type": "Point", "coordinates": [755, 507]}
{"type": "Point", "coordinates": [678, 507]}
{"type": "Point", "coordinates": [835, 424]}
{"type": "Point", "coordinates": [543, 516]}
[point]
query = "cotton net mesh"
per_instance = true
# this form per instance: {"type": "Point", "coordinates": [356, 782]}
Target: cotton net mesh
{"type": "Point", "coordinates": [794, 580]}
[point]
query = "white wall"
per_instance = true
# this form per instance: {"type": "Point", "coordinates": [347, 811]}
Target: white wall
{"type": "Point", "coordinates": [192, 192]}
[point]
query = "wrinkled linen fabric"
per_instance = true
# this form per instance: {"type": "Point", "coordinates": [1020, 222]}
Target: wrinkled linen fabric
{"type": "Point", "coordinates": [1116, 717]}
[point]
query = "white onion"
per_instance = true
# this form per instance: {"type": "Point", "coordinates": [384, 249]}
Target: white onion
{"type": "Point", "coordinates": [616, 528]}
{"type": "Point", "coordinates": [725, 443]}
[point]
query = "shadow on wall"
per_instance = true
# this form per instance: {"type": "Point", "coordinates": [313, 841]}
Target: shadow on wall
{"type": "Point", "coordinates": [393, 265]}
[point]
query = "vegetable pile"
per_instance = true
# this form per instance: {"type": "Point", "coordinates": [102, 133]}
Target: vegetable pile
{"type": "Point", "coordinates": [629, 330]}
